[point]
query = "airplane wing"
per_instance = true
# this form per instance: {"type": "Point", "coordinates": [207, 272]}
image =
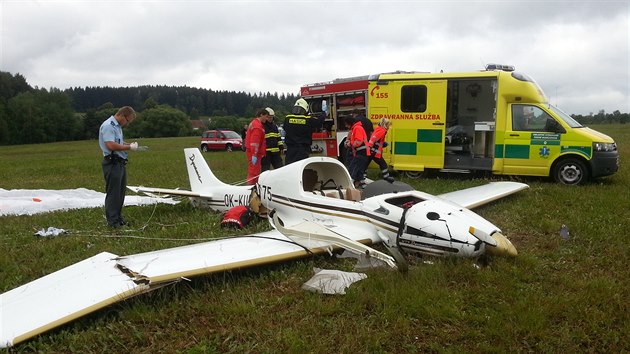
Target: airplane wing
{"type": "Point", "coordinates": [476, 196]}
{"type": "Point", "coordinates": [106, 278]}
{"type": "Point", "coordinates": [214, 256]}
{"type": "Point", "coordinates": [63, 296]}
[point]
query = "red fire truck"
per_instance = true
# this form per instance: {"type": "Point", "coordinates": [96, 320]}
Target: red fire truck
{"type": "Point", "coordinates": [335, 99]}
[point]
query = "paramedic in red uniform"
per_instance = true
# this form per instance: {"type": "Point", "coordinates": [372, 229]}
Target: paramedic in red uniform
{"type": "Point", "coordinates": [376, 145]}
{"type": "Point", "coordinates": [357, 142]}
{"type": "Point", "coordinates": [299, 128]}
{"type": "Point", "coordinates": [255, 147]}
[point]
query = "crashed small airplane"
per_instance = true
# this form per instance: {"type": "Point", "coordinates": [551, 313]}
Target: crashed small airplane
{"type": "Point", "coordinates": [312, 207]}
{"type": "Point", "coordinates": [323, 197]}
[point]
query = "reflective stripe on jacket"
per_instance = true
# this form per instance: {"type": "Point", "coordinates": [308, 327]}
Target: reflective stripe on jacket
{"type": "Point", "coordinates": [376, 141]}
{"type": "Point", "coordinates": [358, 139]}
{"type": "Point", "coordinates": [299, 129]}
{"type": "Point", "coordinates": [272, 137]}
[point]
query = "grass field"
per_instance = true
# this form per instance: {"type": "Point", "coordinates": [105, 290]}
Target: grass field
{"type": "Point", "coordinates": [556, 296]}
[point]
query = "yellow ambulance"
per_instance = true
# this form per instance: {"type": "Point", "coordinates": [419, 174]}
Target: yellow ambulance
{"type": "Point", "coordinates": [496, 120]}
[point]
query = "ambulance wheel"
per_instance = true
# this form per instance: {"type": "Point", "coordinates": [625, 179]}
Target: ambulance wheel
{"type": "Point", "coordinates": [414, 174]}
{"type": "Point", "coordinates": [570, 171]}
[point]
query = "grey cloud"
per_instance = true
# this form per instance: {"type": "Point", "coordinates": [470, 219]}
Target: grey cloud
{"type": "Point", "coordinates": [276, 46]}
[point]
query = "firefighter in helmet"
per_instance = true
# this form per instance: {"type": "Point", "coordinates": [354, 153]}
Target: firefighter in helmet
{"type": "Point", "coordinates": [299, 127]}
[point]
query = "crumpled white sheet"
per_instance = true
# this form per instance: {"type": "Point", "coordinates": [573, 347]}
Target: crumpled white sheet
{"type": "Point", "coordinates": [35, 201]}
{"type": "Point", "coordinates": [332, 282]}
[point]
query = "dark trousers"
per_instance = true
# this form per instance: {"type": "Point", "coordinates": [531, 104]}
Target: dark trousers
{"type": "Point", "coordinates": [380, 161]}
{"type": "Point", "coordinates": [358, 165]}
{"type": "Point", "coordinates": [347, 158]}
{"type": "Point", "coordinates": [382, 164]}
{"type": "Point", "coordinates": [115, 187]}
{"type": "Point", "coordinates": [297, 152]}
{"type": "Point", "coordinates": [271, 159]}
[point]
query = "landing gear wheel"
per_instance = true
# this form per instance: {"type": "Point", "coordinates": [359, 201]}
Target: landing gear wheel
{"type": "Point", "coordinates": [570, 171]}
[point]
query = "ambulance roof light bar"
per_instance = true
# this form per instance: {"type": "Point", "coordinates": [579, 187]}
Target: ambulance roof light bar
{"type": "Point", "coordinates": [502, 67]}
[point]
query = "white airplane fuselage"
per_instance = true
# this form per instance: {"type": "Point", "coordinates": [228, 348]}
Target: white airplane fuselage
{"type": "Point", "coordinates": [320, 190]}
{"type": "Point", "coordinates": [431, 225]}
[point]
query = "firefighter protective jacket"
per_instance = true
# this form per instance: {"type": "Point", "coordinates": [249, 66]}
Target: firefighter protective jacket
{"type": "Point", "coordinates": [273, 138]}
{"type": "Point", "coordinates": [300, 128]}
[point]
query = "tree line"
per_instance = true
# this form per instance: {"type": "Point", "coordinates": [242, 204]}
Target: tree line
{"type": "Point", "coordinates": [195, 102]}
{"type": "Point", "coordinates": [30, 115]}
{"type": "Point", "coordinates": [603, 118]}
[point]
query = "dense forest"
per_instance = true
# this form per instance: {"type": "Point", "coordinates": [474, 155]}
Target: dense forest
{"type": "Point", "coordinates": [195, 102]}
{"type": "Point", "coordinates": [30, 115]}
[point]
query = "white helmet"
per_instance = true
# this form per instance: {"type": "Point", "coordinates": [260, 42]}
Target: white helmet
{"type": "Point", "coordinates": [270, 111]}
{"type": "Point", "coordinates": [302, 103]}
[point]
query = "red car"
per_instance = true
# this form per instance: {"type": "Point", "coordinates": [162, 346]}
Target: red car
{"type": "Point", "coordinates": [227, 140]}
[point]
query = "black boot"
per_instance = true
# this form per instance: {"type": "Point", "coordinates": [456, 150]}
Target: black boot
{"type": "Point", "coordinates": [387, 177]}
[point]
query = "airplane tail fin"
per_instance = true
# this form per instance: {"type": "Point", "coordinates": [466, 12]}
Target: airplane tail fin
{"type": "Point", "coordinates": [199, 173]}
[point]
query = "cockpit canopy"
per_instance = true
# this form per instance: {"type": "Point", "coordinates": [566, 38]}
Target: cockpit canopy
{"type": "Point", "coordinates": [321, 175]}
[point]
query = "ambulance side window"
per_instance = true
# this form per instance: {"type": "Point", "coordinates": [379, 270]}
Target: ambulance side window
{"type": "Point", "coordinates": [519, 122]}
{"type": "Point", "coordinates": [532, 119]}
{"type": "Point", "coordinates": [413, 98]}
{"type": "Point", "coordinates": [538, 120]}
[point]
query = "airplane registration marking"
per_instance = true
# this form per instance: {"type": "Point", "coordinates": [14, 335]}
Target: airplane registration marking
{"type": "Point", "coordinates": [232, 200]}
{"type": "Point", "coordinates": [265, 192]}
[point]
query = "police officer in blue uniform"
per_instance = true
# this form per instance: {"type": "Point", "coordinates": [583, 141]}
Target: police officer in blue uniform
{"type": "Point", "coordinates": [110, 139]}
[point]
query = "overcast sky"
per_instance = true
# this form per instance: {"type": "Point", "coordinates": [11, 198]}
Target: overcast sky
{"type": "Point", "coordinates": [578, 51]}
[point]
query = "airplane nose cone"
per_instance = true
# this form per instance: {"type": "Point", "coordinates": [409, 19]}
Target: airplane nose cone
{"type": "Point", "coordinates": [503, 248]}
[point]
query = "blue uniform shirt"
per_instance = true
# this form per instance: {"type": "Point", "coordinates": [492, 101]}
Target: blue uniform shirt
{"type": "Point", "coordinates": [111, 131]}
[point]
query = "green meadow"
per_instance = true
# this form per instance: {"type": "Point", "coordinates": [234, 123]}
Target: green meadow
{"type": "Point", "coordinates": [557, 296]}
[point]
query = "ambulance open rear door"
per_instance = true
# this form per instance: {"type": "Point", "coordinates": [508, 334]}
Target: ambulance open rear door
{"type": "Point", "coordinates": [417, 109]}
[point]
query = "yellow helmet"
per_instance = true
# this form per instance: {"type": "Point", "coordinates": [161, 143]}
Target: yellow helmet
{"type": "Point", "coordinates": [302, 103]}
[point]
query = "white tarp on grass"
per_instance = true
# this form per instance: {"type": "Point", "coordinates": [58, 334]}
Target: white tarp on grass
{"type": "Point", "coordinates": [35, 201]}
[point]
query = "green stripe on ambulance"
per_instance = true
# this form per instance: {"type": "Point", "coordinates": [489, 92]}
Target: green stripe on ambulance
{"type": "Point", "coordinates": [410, 141]}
